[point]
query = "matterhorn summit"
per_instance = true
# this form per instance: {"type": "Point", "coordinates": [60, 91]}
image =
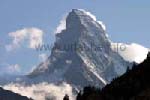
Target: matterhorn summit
{"type": "Point", "coordinates": [82, 54]}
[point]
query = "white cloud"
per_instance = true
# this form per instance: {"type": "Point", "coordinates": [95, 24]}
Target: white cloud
{"type": "Point", "coordinates": [33, 35]}
{"type": "Point", "coordinates": [42, 90]}
{"type": "Point", "coordinates": [62, 25]}
{"type": "Point", "coordinates": [17, 37]}
{"type": "Point", "coordinates": [132, 53]}
{"type": "Point", "coordinates": [36, 37]}
{"type": "Point", "coordinates": [43, 57]}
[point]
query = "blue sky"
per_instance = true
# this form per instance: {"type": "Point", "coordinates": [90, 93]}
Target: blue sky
{"type": "Point", "coordinates": [126, 21]}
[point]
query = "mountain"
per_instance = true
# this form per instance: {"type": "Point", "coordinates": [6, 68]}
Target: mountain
{"type": "Point", "coordinates": [8, 95]}
{"type": "Point", "coordinates": [133, 85]}
{"type": "Point", "coordinates": [81, 55]}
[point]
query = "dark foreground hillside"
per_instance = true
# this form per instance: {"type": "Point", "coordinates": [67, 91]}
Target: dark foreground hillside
{"type": "Point", "coordinates": [133, 85]}
{"type": "Point", "coordinates": [8, 95]}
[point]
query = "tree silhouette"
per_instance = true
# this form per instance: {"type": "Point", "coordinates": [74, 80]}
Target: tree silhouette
{"type": "Point", "coordinates": [79, 96]}
{"type": "Point", "coordinates": [66, 97]}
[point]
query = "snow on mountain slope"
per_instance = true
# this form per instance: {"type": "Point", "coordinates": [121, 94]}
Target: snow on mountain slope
{"type": "Point", "coordinates": [81, 55]}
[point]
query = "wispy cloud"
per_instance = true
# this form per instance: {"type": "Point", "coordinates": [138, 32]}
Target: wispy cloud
{"type": "Point", "coordinates": [14, 68]}
{"type": "Point", "coordinates": [10, 68]}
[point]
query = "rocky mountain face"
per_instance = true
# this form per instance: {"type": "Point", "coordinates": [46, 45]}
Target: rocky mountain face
{"type": "Point", "coordinates": [8, 95]}
{"type": "Point", "coordinates": [81, 55]}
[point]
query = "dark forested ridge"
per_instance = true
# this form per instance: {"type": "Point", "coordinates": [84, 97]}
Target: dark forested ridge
{"type": "Point", "coordinates": [8, 95]}
{"type": "Point", "coordinates": [133, 85]}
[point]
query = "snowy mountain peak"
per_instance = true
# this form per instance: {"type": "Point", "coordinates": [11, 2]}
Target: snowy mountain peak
{"type": "Point", "coordinates": [82, 54]}
{"type": "Point", "coordinates": [80, 16]}
{"type": "Point", "coordinates": [83, 13]}
{"type": "Point", "coordinates": [86, 16]}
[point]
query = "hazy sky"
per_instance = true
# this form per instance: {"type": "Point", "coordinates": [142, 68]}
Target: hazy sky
{"type": "Point", "coordinates": [126, 21]}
